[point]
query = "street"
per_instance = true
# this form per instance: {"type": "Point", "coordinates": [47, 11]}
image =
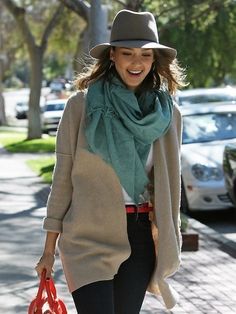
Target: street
{"type": "Point", "coordinates": [223, 221]}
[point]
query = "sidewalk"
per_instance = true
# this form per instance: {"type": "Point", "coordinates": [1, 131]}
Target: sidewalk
{"type": "Point", "coordinates": [206, 280]}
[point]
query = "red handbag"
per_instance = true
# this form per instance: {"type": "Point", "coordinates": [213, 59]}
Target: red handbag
{"type": "Point", "coordinates": [46, 301]}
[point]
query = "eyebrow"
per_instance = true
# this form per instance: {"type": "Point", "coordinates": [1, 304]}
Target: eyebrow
{"type": "Point", "coordinates": [143, 49]}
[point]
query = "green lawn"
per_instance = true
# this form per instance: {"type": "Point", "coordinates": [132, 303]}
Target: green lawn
{"type": "Point", "coordinates": [43, 167]}
{"type": "Point", "coordinates": [16, 142]}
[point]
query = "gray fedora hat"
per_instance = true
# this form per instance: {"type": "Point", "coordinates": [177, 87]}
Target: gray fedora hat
{"type": "Point", "coordinates": [133, 30]}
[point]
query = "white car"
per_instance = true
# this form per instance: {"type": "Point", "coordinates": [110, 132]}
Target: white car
{"type": "Point", "coordinates": [206, 130]}
{"type": "Point", "coordinates": [21, 109]}
{"type": "Point", "coordinates": [201, 96]}
{"type": "Point", "coordinates": [52, 113]}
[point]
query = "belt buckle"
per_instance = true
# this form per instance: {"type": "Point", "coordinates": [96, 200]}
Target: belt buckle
{"type": "Point", "coordinates": [143, 205]}
{"type": "Point", "coordinates": [137, 212]}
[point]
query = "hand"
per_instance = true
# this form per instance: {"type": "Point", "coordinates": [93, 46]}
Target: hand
{"type": "Point", "coordinates": [45, 262]}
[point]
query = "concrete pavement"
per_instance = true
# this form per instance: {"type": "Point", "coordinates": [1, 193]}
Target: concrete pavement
{"type": "Point", "coordinates": [206, 280]}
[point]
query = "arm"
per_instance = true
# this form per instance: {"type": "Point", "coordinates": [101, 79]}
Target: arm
{"type": "Point", "coordinates": [47, 259]}
{"type": "Point", "coordinates": [61, 190]}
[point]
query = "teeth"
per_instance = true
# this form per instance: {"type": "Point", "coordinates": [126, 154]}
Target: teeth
{"type": "Point", "coordinates": [135, 72]}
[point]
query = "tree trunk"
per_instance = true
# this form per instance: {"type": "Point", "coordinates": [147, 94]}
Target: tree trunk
{"type": "Point", "coordinates": [34, 114]}
{"type": "Point", "coordinates": [3, 120]}
{"type": "Point", "coordinates": [98, 23]}
{"type": "Point", "coordinates": [36, 59]}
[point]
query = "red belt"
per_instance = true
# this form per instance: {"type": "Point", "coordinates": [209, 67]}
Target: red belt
{"type": "Point", "coordinates": [142, 208]}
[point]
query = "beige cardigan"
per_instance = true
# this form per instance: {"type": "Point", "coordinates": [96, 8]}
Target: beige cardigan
{"type": "Point", "coordinates": [86, 207]}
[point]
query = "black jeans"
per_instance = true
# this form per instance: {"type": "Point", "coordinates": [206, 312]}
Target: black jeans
{"type": "Point", "coordinates": [125, 293]}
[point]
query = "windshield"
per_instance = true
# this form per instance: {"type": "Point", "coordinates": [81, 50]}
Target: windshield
{"type": "Point", "coordinates": [54, 107]}
{"type": "Point", "coordinates": [209, 127]}
{"type": "Point", "coordinates": [207, 98]}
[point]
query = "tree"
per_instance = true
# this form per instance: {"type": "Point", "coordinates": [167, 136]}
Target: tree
{"type": "Point", "coordinates": [204, 33]}
{"type": "Point", "coordinates": [36, 50]}
{"type": "Point", "coordinates": [134, 5]}
{"type": "Point", "coordinates": [3, 120]}
{"type": "Point", "coordinates": [4, 57]}
{"type": "Point", "coordinates": [98, 22]}
{"type": "Point", "coordinates": [95, 31]}
{"type": "Point", "coordinates": [95, 16]}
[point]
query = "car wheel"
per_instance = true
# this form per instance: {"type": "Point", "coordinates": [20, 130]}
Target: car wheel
{"type": "Point", "coordinates": [184, 202]}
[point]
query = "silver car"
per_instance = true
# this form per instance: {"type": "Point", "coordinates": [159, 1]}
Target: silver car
{"type": "Point", "coordinates": [52, 113]}
{"type": "Point", "coordinates": [206, 131]}
{"type": "Point", "coordinates": [201, 96]}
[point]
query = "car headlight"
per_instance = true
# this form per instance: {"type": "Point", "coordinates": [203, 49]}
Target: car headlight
{"type": "Point", "coordinates": [204, 173]}
{"type": "Point", "coordinates": [51, 120]}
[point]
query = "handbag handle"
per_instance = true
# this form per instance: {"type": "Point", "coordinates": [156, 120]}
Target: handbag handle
{"type": "Point", "coordinates": [47, 295]}
{"type": "Point", "coordinates": [48, 286]}
{"type": "Point", "coordinates": [51, 293]}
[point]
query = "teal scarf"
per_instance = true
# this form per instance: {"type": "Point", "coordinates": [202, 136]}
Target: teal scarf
{"type": "Point", "coordinates": [121, 128]}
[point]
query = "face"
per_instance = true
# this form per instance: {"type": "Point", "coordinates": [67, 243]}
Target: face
{"type": "Point", "coordinates": [132, 64]}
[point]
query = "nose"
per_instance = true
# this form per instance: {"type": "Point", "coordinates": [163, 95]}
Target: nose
{"type": "Point", "coordinates": [136, 60]}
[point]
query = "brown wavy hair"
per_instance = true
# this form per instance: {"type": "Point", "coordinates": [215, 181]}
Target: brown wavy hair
{"type": "Point", "coordinates": [165, 73]}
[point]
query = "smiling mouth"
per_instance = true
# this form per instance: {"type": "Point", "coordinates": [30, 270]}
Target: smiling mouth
{"type": "Point", "coordinates": [134, 72]}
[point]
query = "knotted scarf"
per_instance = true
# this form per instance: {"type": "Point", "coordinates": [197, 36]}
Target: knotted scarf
{"type": "Point", "coordinates": [121, 127]}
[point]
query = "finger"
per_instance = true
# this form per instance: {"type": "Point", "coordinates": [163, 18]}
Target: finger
{"type": "Point", "coordinates": [38, 271]}
{"type": "Point", "coordinates": [48, 273]}
{"type": "Point", "coordinates": [39, 268]}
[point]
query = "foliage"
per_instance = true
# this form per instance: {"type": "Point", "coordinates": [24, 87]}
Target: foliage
{"type": "Point", "coordinates": [184, 222]}
{"type": "Point", "coordinates": [204, 33]}
{"type": "Point", "coordinates": [61, 46]}
{"type": "Point", "coordinates": [10, 43]}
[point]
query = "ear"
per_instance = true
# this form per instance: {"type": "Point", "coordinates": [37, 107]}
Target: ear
{"type": "Point", "coordinates": [112, 54]}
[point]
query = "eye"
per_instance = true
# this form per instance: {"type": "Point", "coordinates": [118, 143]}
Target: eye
{"type": "Point", "coordinates": [147, 55]}
{"type": "Point", "coordinates": [126, 53]}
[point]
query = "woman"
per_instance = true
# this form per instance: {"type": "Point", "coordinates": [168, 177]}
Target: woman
{"type": "Point", "coordinates": [118, 169]}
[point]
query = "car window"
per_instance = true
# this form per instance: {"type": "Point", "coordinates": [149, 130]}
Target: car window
{"type": "Point", "coordinates": [209, 127]}
{"type": "Point", "coordinates": [22, 104]}
{"type": "Point", "coordinates": [54, 107]}
{"type": "Point", "coordinates": [197, 99]}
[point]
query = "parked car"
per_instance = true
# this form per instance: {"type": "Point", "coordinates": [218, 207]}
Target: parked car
{"type": "Point", "coordinates": [206, 131]}
{"type": "Point", "coordinates": [21, 109]}
{"type": "Point", "coordinates": [57, 86]}
{"type": "Point", "coordinates": [206, 96]}
{"type": "Point", "coordinates": [229, 167]}
{"type": "Point", "coordinates": [52, 113]}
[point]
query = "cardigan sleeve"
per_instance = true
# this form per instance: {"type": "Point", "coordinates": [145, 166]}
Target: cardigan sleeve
{"type": "Point", "coordinates": [179, 124]}
{"type": "Point", "coordinates": [176, 205]}
{"type": "Point", "coordinates": [61, 189]}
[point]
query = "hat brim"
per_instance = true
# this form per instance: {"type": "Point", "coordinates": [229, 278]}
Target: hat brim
{"type": "Point", "coordinates": [96, 51]}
